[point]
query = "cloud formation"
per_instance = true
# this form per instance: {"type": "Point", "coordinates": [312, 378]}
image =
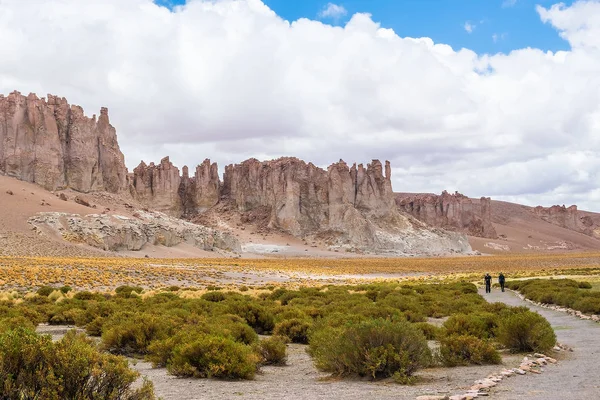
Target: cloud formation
{"type": "Point", "coordinates": [230, 80]}
{"type": "Point", "coordinates": [332, 11]}
{"type": "Point", "coordinates": [469, 27]}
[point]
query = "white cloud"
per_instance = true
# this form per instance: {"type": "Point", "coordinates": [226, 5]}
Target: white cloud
{"type": "Point", "coordinates": [332, 11]}
{"type": "Point", "coordinates": [469, 27]}
{"type": "Point", "coordinates": [509, 3]}
{"type": "Point", "coordinates": [230, 80]}
{"type": "Point", "coordinates": [496, 37]}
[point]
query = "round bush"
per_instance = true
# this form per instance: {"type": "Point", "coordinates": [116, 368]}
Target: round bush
{"type": "Point", "coordinates": [376, 348]}
{"type": "Point", "coordinates": [481, 324]}
{"type": "Point", "coordinates": [524, 331]}
{"type": "Point", "coordinates": [294, 329]}
{"type": "Point", "coordinates": [213, 356]}
{"type": "Point", "coordinates": [465, 349]}
{"type": "Point", "coordinates": [32, 367]}
{"type": "Point", "coordinates": [272, 351]}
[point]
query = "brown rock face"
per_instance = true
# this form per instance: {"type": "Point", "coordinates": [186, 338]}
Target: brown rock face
{"type": "Point", "coordinates": [160, 187]}
{"type": "Point", "coordinates": [303, 198]}
{"type": "Point", "coordinates": [157, 186]}
{"type": "Point", "coordinates": [570, 218]}
{"type": "Point", "coordinates": [350, 207]}
{"type": "Point", "coordinates": [450, 211]}
{"type": "Point", "coordinates": [53, 144]}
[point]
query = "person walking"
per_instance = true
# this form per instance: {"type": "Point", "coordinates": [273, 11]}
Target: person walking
{"type": "Point", "coordinates": [488, 283]}
{"type": "Point", "coordinates": [501, 280]}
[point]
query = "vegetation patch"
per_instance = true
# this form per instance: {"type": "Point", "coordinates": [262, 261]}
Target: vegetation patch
{"type": "Point", "coordinates": [562, 292]}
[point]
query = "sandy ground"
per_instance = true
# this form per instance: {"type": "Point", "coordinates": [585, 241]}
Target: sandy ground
{"type": "Point", "coordinates": [576, 377]}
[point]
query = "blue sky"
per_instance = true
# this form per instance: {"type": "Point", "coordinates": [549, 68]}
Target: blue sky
{"type": "Point", "coordinates": [496, 25]}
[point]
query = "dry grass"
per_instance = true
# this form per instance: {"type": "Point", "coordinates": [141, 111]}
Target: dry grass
{"type": "Point", "coordinates": [107, 273]}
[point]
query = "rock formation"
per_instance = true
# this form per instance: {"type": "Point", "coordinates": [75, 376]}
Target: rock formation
{"type": "Point", "coordinates": [116, 233]}
{"type": "Point", "coordinates": [350, 207]}
{"type": "Point", "coordinates": [570, 218]}
{"type": "Point", "coordinates": [157, 186]}
{"type": "Point", "coordinates": [450, 211]}
{"type": "Point", "coordinates": [53, 144]}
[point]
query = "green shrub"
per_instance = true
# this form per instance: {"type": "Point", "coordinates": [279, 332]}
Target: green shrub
{"type": "Point", "coordinates": [45, 291]}
{"type": "Point", "coordinates": [584, 285]}
{"type": "Point", "coordinates": [65, 289]}
{"type": "Point", "coordinates": [587, 304]}
{"type": "Point", "coordinates": [521, 330]}
{"type": "Point", "coordinates": [296, 330]}
{"type": "Point", "coordinates": [9, 323]}
{"type": "Point", "coordinates": [127, 291]}
{"type": "Point", "coordinates": [272, 351]}
{"type": "Point", "coordinates": [214, 296]}
{"type": "Point", "coordinates": [481, 324]}
{"type": "Point", "coordinates": [465, 349]}
{"type": "Point", "coordinates": [215, 357]}
{"type": "Point", "coordinates": [376, 348]}
{"type": "Point", "coordinates": [32, 367]}
{"type": "Point", "coordinates": [430, 331]}
{"type": "Point", "coordinates": [258, 317]}
{"type": "Point", "coordinates": [131, 334]}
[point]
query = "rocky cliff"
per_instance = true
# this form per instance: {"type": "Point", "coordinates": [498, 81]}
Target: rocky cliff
{"type": "Point", "coordinates": [570, 218]}
{"type": "Point", "coordinates": [346, 206]}
{"type": "Point", "coordinates": [450, 211]}
{"type": "Point", "coordinates": [53, 144]}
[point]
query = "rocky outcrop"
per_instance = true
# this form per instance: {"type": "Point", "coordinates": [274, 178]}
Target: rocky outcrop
{"type": "Point", "coordinates": [203, 190]}
{"type": "Point", "coordinates": [161, 188]}
{"type": "Point", "coordinates": [349, 207]}
{"type": "Point", "coordinates": [53, 144]}
{"type": "Point", "coordinates": [118, 233]}
{"type": "Point", "coordinates": [157, 186]}
{"type": "Point", "coordinates": [570, 218]}
{"type": "Point", "coordinates": [450, 211]}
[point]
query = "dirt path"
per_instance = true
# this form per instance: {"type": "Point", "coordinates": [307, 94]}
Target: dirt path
{"type": "Point", "coordinates": [576, 377]}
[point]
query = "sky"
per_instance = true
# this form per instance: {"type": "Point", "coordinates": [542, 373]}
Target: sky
{"type": "Point", "coordinates": [496, 98]}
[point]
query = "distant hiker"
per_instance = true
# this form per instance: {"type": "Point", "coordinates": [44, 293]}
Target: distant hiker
{"type": "Point", "coordinates": [488, 283]}
{"type": "Point", "coordinates": [501, 280]}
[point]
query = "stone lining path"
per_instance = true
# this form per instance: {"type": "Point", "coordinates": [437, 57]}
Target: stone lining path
{"type": "Point", "coordinates": [576, 377]}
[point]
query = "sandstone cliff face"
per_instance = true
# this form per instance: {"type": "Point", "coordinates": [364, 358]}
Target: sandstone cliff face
{"type": "Point", "coordinates": [450, 211]}
{"type": "Point", "coordinates": [161, 188]}
{"type": "Point", "coordinates": [570, 218]}
{"type": "Point", "coordinates": [53, 144]}
{"type": "Point", "coordinates": [351, 207]}
{"type": "Point", "coordinates": [157, 186]}
{"type": "Point", "coordinates": [304, 198]}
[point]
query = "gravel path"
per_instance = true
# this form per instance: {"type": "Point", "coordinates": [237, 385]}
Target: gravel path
{"type": "Point", "coordinates": [577, 376]}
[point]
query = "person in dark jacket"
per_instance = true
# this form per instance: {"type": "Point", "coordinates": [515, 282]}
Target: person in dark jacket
{"type": "Point", "coordinates": [501, 280]}
{"type": "Point", "coordinates": [488, 283]}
